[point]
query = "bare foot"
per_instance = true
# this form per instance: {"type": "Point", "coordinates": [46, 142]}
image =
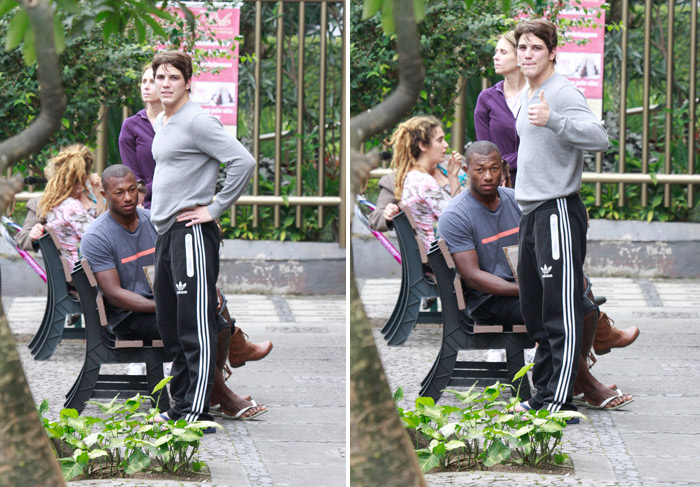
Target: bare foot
{"type": "Point", "coordinates": [237, 403]}
{"type": "Point", "coordinates": [612, 387]}
{"type": "Point", "coordinates": [597, 397]}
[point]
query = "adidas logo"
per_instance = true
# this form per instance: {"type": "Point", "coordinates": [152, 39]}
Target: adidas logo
{"type": "Point", "coordinates": [546, 269]}
{"type": "Point", "coordinates": [181, 288]}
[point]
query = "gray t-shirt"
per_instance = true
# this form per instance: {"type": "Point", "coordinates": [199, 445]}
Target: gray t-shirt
{"type": "Point", "coordinates": [466, 224]}
{"type": "Point", "coordinates": [108, 245]}
{"type": "Point", "coordinates": [188, 151]}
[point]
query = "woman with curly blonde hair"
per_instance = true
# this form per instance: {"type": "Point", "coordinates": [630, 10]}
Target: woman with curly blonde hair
{"type": "Point", "coordinates": [66, 204]}
{"type": "Point", "coordinates": [419, 146]}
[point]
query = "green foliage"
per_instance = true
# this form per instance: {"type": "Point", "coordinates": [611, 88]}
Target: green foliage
{"type": "Point", "coordinates": [457, 41]}
{"type": "Point", "coordinates": [93, 74]}
{"type": "Point", "coordinates": [484, 431]}
{"type": "Point", "coordinates": [124, 441]}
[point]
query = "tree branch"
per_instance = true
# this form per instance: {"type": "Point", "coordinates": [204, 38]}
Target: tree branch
{"type": "Point", "coordinates": [411, 74]}
{"type": "Point", "coordinates": [53, 103]}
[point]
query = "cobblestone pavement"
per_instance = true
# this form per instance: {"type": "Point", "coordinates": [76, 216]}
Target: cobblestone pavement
{"type": "Point", "coordinates": [651, 443]}
{"type": "Point", "coordinates": [300, 442]}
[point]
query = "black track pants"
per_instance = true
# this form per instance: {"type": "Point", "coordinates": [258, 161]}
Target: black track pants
{"type": "Point", "coordinates": [186, 269]}
{"type": "Point", "coordinates": [552, 248]}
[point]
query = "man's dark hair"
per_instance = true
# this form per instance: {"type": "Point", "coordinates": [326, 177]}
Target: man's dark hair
{"type": "Point", "coordinates": [115, 171]}
{"type": "Point", "coordinates": [540, 28]}
{"type": "Point", "coordinates": [178, 59]}
{"type": "Point", "coordinates": [482, 147]}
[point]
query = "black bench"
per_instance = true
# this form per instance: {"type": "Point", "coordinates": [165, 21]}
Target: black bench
{"type": "Point", "coordinates": [61, 303]}
{"type": "Point", "coordinates": [102, 347]}
{"type": "Point", "coordinates": [415, 284]}
{"type": "Point", "coordinates": [460, 332]}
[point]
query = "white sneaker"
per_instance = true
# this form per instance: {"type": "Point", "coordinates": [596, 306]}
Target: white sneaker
{"type": "Point", "coordinates": [496, 355]}
{"type": "Point", "coordinates": [136, 369]}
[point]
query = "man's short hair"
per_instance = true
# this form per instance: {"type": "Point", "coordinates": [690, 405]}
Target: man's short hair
{"type": "Point", "coordinates": [115, 171]}
{"type": "Point", "coordinates": [178, 59]}
{"type": "Point", "coordinates": [542, 29]}
{"type": "Point", "coordinates": [482, 147]}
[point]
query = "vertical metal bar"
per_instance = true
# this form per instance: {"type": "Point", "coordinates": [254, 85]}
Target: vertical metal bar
{"type": "Point", "coordinates": [623, 102]}
{"type": "Point", "coordinates": [256, 108]}
{"type": "Point", "coordinates": [598, 185]}
{"type": "Point", "coordinates": [322, 109]}
{"type": "Point", "coordinates": [300, 105]}
{"type": "Point", "coordinates": [460, 114]}
{"type": "Point", "coordinates": [342, 211]}
{"type": "Point", "coordinates": [645, 101]}
{"type": "Point", "coordinates": [101, 150]}
{"type": "Point", "coordinates": [691, 102]}
{"type": "Point", "coordinates": [278, 108]}
{"type": "Point", "coordinates": [669, 100]}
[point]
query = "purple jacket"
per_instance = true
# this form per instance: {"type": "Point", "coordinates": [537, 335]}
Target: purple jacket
{"type": "Point", "coordinates": [494, 121]}
{"type": "Point", "coordinates": [135, 141]}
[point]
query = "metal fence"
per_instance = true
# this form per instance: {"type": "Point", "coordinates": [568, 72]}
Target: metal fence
{"type": "Point", "coordinates": [327, 133]}
{"type": "Point", "coordinates": [666, 22]}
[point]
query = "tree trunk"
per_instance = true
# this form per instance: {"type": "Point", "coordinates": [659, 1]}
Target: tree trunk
{"type": "Point", "coordinates": [26, 455]}
{"type": "Point", "coordinates": [381, 453]}
{"type": "Point", "coordinates": [53, 102]}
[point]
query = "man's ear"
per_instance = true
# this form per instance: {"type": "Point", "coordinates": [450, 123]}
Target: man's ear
{"type": "Point", "coordinates": [553, 54]}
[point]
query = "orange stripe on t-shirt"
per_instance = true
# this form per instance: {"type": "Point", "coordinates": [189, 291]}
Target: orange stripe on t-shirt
{"type": "Point", "coordinates": [500, 235]}
{"type": "Point", "coordinates": [140, 254]}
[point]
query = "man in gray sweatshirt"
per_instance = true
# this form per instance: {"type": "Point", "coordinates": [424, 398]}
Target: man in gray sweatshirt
{"type": "Point", "coordinates": [555, 126]}
{"type": "Point", "coordinates": [189, 147]}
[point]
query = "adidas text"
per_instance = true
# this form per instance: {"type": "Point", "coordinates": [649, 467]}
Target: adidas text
{"type": "Point", "coordinates": [546, 269]}
{"type": "Point", "coordinates": [181, 288]}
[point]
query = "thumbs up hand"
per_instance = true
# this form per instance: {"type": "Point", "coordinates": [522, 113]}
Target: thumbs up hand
{"type": "Point", "coordinates": [538, 113]}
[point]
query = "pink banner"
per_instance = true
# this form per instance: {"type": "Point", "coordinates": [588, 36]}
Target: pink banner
{"type": "Point", "coordinates": [583, 65]}
{"type": "Point", "coordinates": [218, 93]}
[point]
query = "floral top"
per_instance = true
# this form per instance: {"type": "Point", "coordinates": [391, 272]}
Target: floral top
{"type": "Point", "coordinates": [427, 200]}
{"type": "Point", "coordinates": [70, 221]}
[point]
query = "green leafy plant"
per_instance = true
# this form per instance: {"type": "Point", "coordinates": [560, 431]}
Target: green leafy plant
{"type": "Point", "coordinates": [124, 441]}
{"type": "Point", "coordinates": [484, 431]}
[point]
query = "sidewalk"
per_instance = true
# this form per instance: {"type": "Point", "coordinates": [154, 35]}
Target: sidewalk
{"type": "Point", "coordinates": [652, 443]}
{"type": "Point", "coordinates": [299, 442]}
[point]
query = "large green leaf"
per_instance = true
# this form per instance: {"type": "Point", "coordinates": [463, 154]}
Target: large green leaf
{"type": "Point", "coordinates": [137, 462]}
{"type": "Point", "coordinates": [371, 7]}
{"type": "Point", "coordinates": [497, 453]}
{"type": "Point", "coordinates": [16, 30]}
{"type": "Point", "coordinates": [6, 6]}
{"type": "Point", "coordinates": [70, 468]}
{"type": "Point", "coordinates": [428, 461]}
{"type": "Point", "coordinates": [59, 37]}
{"type": "Point", "coordinates": [70, 6]}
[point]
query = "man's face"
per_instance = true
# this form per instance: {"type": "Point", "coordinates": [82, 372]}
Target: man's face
{"type": "Point", "coordinates": [533, 56]}
{"type": "Point", "coordinates": [485, 174]}
{"type": "Point", "coordinates": [170, 85]}
{"type": "Point", "coordinates": [122, 195]}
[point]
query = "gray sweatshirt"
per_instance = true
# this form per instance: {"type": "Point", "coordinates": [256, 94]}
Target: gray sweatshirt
{"type": "Point", "coordinates": [550, 158]}
{"type": "Point", "coordinates": [188, 151]}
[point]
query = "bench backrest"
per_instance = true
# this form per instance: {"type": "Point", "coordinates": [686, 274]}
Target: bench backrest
{"type": "Point", "coordinates": [94, 309]}
{"type": "Point", "coordinates": [64, 263]}
{"type": "Point", "coordinates": [441, 247]}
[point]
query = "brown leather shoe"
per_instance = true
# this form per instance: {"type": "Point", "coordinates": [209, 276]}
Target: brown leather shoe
{"type": "Point", "coordinates": [240, 350]}
{"type": "Point", "coordinates": [608, 337]}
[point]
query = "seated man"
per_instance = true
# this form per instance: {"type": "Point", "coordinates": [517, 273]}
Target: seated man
{"type": "Point", "coordinates": [118, 245]}
{"type": "Point", "coordinates": [476, 225]}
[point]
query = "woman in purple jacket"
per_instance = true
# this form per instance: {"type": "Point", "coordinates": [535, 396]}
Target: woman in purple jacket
{"type": "Point", "coordinates": [136, 136]}
{"type": "Point", "coordinates": [497, 107]}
